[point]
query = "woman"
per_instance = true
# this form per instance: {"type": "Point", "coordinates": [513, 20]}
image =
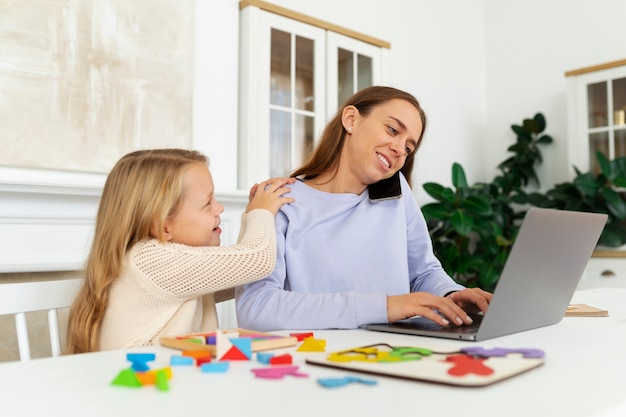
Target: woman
{"type": "Point", "coordinates": [354, 248]}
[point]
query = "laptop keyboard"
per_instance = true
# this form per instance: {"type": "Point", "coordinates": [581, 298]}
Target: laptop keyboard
{"type": "Point", "coordinates": [431, 325]}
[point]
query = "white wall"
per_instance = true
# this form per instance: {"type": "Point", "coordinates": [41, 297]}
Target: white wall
{"type": "Point", "coordinates": [529, 47]}
{"type": "Point", "coordinates": [216, 58]}
{"type": "Point", "coordinates": [477, 66]}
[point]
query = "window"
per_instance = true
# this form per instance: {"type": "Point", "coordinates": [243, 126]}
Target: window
{"type": "Point", "coordinates": [294, 73]}
{"type": "Point", "coordinates": [597, 114]}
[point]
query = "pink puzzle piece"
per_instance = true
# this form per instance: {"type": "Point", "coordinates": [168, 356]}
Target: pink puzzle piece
{"type": "Point", "coordinates": [278, 372]}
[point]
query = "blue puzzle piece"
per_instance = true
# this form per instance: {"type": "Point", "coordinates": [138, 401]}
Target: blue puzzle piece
{"type": "Point", "coordinates": [244, 344]}
{"type": "Point", "coordinates": [214, 367]}
{"type": "Point", "coordinates": [139, 361]}
{"type": "Point", "coordinates": [340, 382]}
{"type": "Point", "coordinates": [181, 360]}
{"type": "Point", "coordinates": [264, 357]}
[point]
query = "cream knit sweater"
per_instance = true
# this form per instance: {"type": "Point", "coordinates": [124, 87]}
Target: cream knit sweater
{"type": "Point", "coordinates": [169, 289]}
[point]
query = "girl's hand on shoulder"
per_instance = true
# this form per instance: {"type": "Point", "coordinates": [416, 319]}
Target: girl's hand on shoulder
{"type": "Point", "coordinates": [268, 195]}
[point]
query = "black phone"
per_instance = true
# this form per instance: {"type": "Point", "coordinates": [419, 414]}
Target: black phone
{"type": "Point", "coordinates": [387, 189]}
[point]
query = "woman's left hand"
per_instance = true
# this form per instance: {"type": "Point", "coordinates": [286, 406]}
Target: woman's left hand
{"type": "Point", "coordinates": [472, 300]}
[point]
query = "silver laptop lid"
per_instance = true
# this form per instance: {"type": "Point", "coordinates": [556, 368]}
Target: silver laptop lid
{"type": "Point", "coordinates": [542, 271]}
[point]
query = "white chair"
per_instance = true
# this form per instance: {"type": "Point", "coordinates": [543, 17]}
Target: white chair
{"type": "Point", "coordinates": [24, 297]}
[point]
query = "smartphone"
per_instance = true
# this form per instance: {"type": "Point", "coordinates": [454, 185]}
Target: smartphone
{"type": "Point", "coordinates": [387, 189]}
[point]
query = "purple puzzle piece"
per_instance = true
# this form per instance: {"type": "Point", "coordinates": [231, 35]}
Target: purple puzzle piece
{"type": "Point", "coordinates": [501, 352]}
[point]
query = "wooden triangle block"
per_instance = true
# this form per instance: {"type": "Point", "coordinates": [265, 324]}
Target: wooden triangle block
{"type": "Point", "coordinates": [244, 344]}
{"type": "Point", "coordinates": [222, 345]}
{"type": "Point", "coordinates": [312, 345]}
{"type": "Point", "coordinates": [232, 348]}
{"type": "Point", "coordinates": [234, 354]}
{"type": "Point", "coordinates": [127, 378]}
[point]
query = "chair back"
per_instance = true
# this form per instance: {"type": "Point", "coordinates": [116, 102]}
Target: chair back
{"type": "Point", "coordinates": [24, 297]}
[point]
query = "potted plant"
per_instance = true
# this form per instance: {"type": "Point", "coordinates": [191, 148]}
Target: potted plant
{"type": "Point", "coordinates": [600, 192]}
{"type": "Point", "coordinates": [473, 226]}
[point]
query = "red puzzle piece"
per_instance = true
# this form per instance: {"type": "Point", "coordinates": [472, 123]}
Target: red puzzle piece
{"type": "Point", "coordinates": [234, 354]}
{"type": "Point", "coordinates": [464, 365]}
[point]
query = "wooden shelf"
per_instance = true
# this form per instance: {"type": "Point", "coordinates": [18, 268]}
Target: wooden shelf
{"type": "Point", "coordinates": [609, 254]}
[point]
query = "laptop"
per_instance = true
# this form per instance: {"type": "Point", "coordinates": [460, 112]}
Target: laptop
{"type": "Point", "coordinates": [539, 278]}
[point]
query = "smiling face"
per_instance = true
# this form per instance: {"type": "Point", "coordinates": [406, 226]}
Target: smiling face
{"type": "Point", "coordinates": [197, 221]}
{"type": "Point", "coordinates": [377, 144]}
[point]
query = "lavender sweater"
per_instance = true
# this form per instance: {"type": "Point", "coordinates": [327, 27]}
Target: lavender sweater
{"type": "Point", "coordinates": [338, 257]}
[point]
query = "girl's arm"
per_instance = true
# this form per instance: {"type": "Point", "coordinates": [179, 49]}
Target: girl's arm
{"type": "Point", "coordinates": [180, 271]}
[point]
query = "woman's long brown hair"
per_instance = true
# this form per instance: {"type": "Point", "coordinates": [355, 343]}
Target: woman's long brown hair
{"type": "Point", "coordinates": [325, 156]}
{"type": "Point", "coordinates": [143, 189]}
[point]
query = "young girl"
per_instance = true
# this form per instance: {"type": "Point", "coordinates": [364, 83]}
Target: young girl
{"type": "Point", "coordinates": [155, 266]}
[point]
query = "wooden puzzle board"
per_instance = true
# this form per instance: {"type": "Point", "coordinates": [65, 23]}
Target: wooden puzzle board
{"type": "Point", "coordinates": [436, 368]}
{"type": "Point", "coordinates": [585, 310]}
{"type": "Point", "coordinates": [260, 341]}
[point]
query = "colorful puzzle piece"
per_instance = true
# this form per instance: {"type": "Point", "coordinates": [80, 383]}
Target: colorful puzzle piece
{"type": "Point", "coordinates": [310, 344]}
{"type": "Point", "coordinates": [201, 361]}
{"type": "Point", "coordinates": [214, 367]}
{"type": "Point", "coordinates": [340, 382]}
{"type": "Point", "coordinates": [278, 372]}
{"type": "Point", "coordinates": [232, 349]}
{"type": "Point", "coordinates": [502, 352]}
{"type": "Point", "coordinates": [264, 357]}
{"type": "Point", "coordinates": [196, 354]}
{"type": "Point", "coordinates": [127, 378]}
{"type": "Point", "coordinates": [200, 340]}
{"type": "Point", "coordinates": [151, 377]}
{"type": "Point", "coordinates": [162, 378]}
{"type": "Point", "coordinates": [376, 354]}
{"type": "Point", "coordinates": [301, 336]}
{"type": "Point", "coordinates": [281, 359]}
{"type": "Point", "coordinates": [244, 344]}
{"type": "Point", "coordinates": [177, 360]}
{"type": "Point", "coordinates": [465, 365]}
{"type": "Point", "coordinates": [139, 360]}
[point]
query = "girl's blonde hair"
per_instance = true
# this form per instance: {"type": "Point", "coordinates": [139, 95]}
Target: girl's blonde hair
{"type": "Point", "coordinates": [325, 159]}
{"type": "Point", "coordinates": [142, 190]}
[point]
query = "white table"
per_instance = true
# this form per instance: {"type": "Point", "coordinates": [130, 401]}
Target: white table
{"type": "Point", "coordinates": [584, 375]}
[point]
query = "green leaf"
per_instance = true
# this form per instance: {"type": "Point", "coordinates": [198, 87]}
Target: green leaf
{"type": "Point", "coordinates": [614, 203]}
{"type": "Point", "coordinates": [586, 185]}
{"type": "Point", "coordinates": [489, 276]}
{"type": "Point", "coordinates": [461, 222]}
{"type": "Point", "coordinates": [502, 241]}
{"type": "Point", "coordinates": [616, 230]}
{"type": "Point", "coordinates": [540, 122]}
{"type": "Point", "coordinates": [545, 139]}
{"type": "Point", "coordinates": [435, 211]}
{"type": "Point", "coordinates": [438, 192]}
{"type": "Point", "coordinates": [605, 166]}
{"type": "Point", "coordinates": [620, 181]}
{"type": "Point", "coordinates": [477, 205]}
{"type": "Point", "coordinates": [521, 132]}
{"type": "Point", "coordinates": [531, 126]}
{"type": "Point", "coordinates": [610, 239]}
{"type": "Point", "coordinates": [458, 176]}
